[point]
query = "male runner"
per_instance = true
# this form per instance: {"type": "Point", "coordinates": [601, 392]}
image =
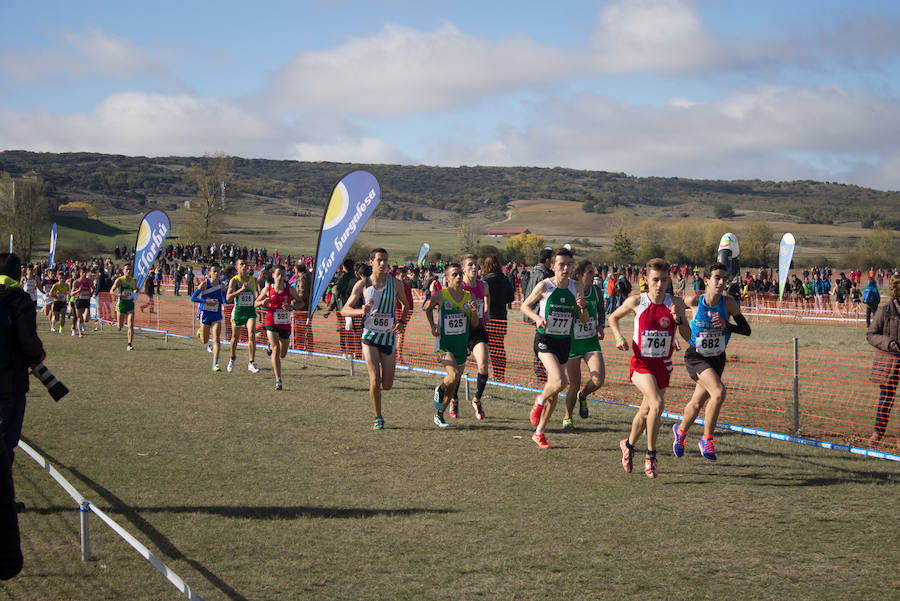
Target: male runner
{"type": "Point", "coordinates": [124, 289]}
{"type": "Point", "coordinates": [656, 315]}
{"type": "Point", "coordinates": [704, 359]}
{"type": "Point", "coordinates": [558, 298]}
{"type": "Point", "coordinates": [81, 291]}
{"type": "Point", "coordinates": [456, 314]}
{"type": "Point", "coordinates": [242, 291]}
{"type": "Point", "coordinates": [59, 292]}
{"type": "Point", "coordinates": [478, 335]}
{"type": "Point", "coordinates": [210, 298]}
{"type": "Point", "coordinates": [585, 346]}
{"type": "Point", "coordinates": [380, 326]}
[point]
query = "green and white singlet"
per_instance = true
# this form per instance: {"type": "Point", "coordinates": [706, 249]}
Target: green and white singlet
{"type": "Point", "coordinates": [557, 306]}
{"type": "Point", "coordinates": [378, 323]}
{"type": "Point", "coordinates": [454, 320]}
{"type": "Point", "coordinates": [584, 335]}
{"type": "Point", "coordinates": [243, 303]}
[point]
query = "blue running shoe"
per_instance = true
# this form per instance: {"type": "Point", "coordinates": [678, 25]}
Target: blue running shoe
{"type": "Point", "coordinates": [439, 420]}
{"type": "Point", "coordinates": [438, 398]}
{"type": "Point", "coordinates": [678, 445]}
{"type": "Point", "coordinates": [379, 423]}
{"type": "Point", "coordinates": [708, 448]}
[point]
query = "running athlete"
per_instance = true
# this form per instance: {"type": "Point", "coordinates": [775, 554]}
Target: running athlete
{"type": "Point", "coordinates": [585, 346]}
{"type": "Point", "coordinates": [59, 292]}
{"type": "Point", "coordinates": [478, 335]}
{"type": "Point", "coordinates": [29, 284]}
{"type": "Point", "coordinates": [558, 299]}
{"type": "Point", "coordinates": [456, 314]}
{"type": "Point", "coordinates": [656, 315]}
{"type": "Point", "coordinates": [124, 289]}
{"type": "Point", "coordinates": [74, 276]}
{"type": "Point", "coordinates": [82, 290]}
{"type": "Point", "coordinates": [210, 298]}
{"type": "Point", "coordinates": [278, 299]}
{"type": "Point", "coordinates": [242, 292]}
{"type": "Point", "coordinates": [380, 326]}
{"type": "Point", "coordinates": [48, 280]}
{"type": "Point", "coordinates": [704, 359]}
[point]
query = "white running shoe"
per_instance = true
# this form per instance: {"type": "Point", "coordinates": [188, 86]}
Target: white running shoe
{"type": "Point", "coordinates": [230, 367]}
{"type": "Point", "coordinates": [251, 367]}
{"type": "Point", "coordinates": [209, 348]}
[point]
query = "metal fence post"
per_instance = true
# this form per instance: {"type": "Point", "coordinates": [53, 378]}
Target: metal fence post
{"type": "Point", "coordinates": [350, 358]}
{"type": "Point", "coordinates": [796, 386]}
{"type": "Point", "coordinates": [466, 376]}
{"type": "Point", "coordinates": [85, 531]}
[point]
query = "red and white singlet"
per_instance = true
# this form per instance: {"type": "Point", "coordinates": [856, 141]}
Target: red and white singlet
{"type": "Point", "coordinates": [653, 341]}
{"type": "Point", "coordinates": [276, 314]}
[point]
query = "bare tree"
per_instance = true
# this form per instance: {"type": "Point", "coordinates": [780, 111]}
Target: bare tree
{"type": "Point", "coordinates": [206, 215]}
{"type": "Point", "coordinates": [23, 208]}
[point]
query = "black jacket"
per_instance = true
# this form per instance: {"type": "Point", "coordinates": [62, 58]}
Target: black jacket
{"type": "Point", "coordinates": [501, 292]}
{"type": "Point", "coordinates": [20, 346]}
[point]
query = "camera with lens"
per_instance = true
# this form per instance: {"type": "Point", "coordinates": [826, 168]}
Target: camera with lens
{"type": "Point", "coordinates": [56, 388]}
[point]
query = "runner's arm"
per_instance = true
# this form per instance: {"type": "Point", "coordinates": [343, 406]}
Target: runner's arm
{"type": "Point", "coordinates": [734, 310]}
{"type": "Point", "coordinates": [534, 297]}
{"type": "Point", "coordinates": [356, 295]}
{"type": "Point", "coordinates": [627, 306]}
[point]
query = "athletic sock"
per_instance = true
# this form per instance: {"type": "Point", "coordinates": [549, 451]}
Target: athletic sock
{"type": "Point", "coordinates": [540, 401]}
{"type": "Point", "coordinates": [628, 445]}
{"type": "Point", "coordinates": [651, 454]}
{"type": "Point", "coordinates": [538, 431]}
{"type": "Point", "coordinates": [456, 390]}
{"type": "Point", "coordinates": [479, 386]}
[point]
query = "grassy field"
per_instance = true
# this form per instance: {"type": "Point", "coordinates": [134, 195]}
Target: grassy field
{"type": "Point", "coordinates": [251, 494]}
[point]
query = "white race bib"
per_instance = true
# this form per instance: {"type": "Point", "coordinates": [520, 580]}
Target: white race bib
{"type": "Point", "coordinates": [479, 303]}
{"type": "Point", "coordinates": [84, 294]}
{"type": "Point", "coordinates": [454, 324]}
{"type": "Point", "coordinates": [282, 317]}
{"type": "Point", "coordinates": [585, 331]}
{"type": "Point", "coordinates": [655, 343]}
{"type": "Point", "coordinates": [245, 299]}
{"type": "Point", "coordinates": [380, 322]}
{"type": "Point", "coordinates": [211, 304]}
{"type": "Point", "coordinates": [61, 296]}
{"type": "Point", "coordinates": [710, 343]}
{"type": "Point", "coordinates": [559, 323]}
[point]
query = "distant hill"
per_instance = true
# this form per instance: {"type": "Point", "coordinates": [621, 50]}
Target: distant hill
{"type": "Point", "coordinates": [121, 184]}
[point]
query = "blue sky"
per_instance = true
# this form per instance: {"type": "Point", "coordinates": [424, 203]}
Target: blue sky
{"type": "Point", "coordinates": [716, 89]}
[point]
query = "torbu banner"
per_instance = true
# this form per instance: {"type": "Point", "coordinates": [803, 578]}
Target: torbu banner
{"type": "Point", "coordinates": [151, 235]}
{"type": "Point", "coordinates": [52, 244]}
{"type": "Point", "coordinates": [353, 200]}
{"type": "Point", "coordinates": [785, 254]}
{"type": "Point", "coordinates": [423, 251]}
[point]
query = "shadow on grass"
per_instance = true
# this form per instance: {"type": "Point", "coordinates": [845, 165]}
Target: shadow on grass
{"type": "Point", "coordinates": [91, 226]}
{"type": "Point", "coordinates": [158, 538]}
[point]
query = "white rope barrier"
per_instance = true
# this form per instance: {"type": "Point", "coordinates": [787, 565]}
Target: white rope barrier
{"type": "Point", "coordinates": [86, 506]}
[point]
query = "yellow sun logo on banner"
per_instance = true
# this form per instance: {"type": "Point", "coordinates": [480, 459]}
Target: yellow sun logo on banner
{"type": "Point", "coordinates": [337, 206]}
{"type": "Point", "coordinates": [143, 236]}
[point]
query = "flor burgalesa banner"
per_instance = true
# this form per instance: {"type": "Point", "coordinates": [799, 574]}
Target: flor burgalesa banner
{"type": "Point", "coordinates": [352, 202]}
{"type": "Point", "coordinates": [52, 244]}
{"type": "Point", "coordinates": [423, 252]}
{"type": "Point", "coordinates": [785, 254]}
{"type": "Point", "coordinates": [151, 235]}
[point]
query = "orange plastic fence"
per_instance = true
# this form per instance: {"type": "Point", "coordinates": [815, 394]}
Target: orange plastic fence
{"type": "Point", "coordinates": [836, 400]}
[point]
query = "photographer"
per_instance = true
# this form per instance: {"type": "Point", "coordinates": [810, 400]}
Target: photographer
{"type": "Point", "coordinates": [20, 348]}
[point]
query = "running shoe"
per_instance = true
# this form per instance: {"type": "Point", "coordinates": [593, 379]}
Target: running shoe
{"type": "Point", "coordinates": [230, 367]}
{"type": "Point", "coordinates": [479, 410]}
{"type": "Point", "coordinates": [52, 328]}
{"type": "Point", "coordinates": [60, 329]}
{"type": "Point", "coordinates": [536, 411]}
{"type": "Point", "coordinates": [209, 348]}
{"type": "Point", "coordinates": [251, 367]}
{"type": "Point", "coordinates": [198, 332]}
{"type": "Point", "coordinates": [438, 398]}
{"type": "Point", "coordinates": [650, 466]}
{"type": "Point", "coordinates": [678, 445]}
{"type": "Point", "coordinates": [268, 351]}
{"type": "Point", "coordinates": [216, 367]}
{"type": "Point", "coordinates": [568, 426]}
{"type": "Point", "coordinates": [278, 384]}
{"type": "Point", "coordinates": [582, 405]}
{"type": "Point", "coordinates": [439, 420]}
{"type": "Point", "coordinates": [379, 423]}
{"type": "Point", "coordinates": [81, 334]}
{"type": "Point", "coordinates": [73, 333]}
{"type": "Point", "coordinates": [627, 456]}
{"type": "Point", "coordinates": [707, 448]}
{"type": "Point", "coordinates": [540, 440]}
{"type": "Point", "coordinates": [454, 409]}
{"type": "Point", "coordinates": [129, 347]}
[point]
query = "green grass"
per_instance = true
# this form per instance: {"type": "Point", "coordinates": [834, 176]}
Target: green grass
{"type": "Point", "coordinates": [249, 494]}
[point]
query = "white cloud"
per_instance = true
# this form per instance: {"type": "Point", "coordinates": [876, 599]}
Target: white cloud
{"type": "Point", "coordinates": [355, 150]}
{"type": "Point", "coordinates": [766, 132]}
{"type": "Point", "coordinates": [92, 54]}
{"type": "Point", "coordinates": [653, 35]}
{"type": "Point", "coordinates": [401, 70]}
